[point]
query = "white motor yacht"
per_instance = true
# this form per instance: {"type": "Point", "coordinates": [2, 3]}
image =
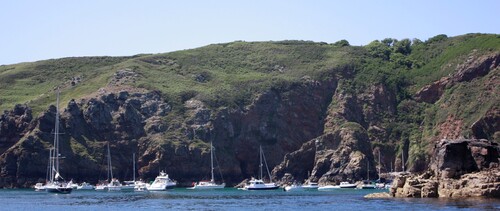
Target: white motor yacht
{"type": "Point", "coordinates": [347, 185]}
{"type": "Point", "coordinates": [311, 185]}
{"type": "Point", "coordinates": [162, 182]}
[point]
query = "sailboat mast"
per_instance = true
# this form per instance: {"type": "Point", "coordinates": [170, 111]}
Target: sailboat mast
{"type": "Point", "coordinates": [56, 136]}
{"type": "Point", "coordinates": [403, 159]}
{"type": "Point", "coordinates": [133, 158]}
{"type": "Point", "coordinates": [368, 170]}
{"type": "Point", "coordinates": [109, 164]}
{"type": "Point", "coordinates": [379, 164]}
{"type": "Point", "coordinates": [54, 152]}
{"type": "Point", "coordinates": [212, 161]}
{"type": "Point", "coordinates": [260, 158]}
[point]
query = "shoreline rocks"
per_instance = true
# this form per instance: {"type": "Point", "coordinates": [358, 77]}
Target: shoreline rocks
{"type": "Point", "coordinates": [460, 168]}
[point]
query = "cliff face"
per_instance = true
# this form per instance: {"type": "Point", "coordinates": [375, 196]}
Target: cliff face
{"type": "Point", "coordinates": [321, 113]}
{"type": "Point", "coordinates": [135, 121]}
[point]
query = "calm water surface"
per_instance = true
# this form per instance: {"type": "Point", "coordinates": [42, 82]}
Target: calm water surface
{"type": "Point", "coordinates": [228, 199]}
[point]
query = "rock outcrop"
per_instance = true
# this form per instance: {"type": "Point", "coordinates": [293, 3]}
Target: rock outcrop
{"type": "Point", "coordinates": [474, 67]}
{"type": "Point", "coordinates": [460, 168]}
{"type": "Point", "coordinates": [13, 125]}
{"type": "Point", "coordinates": [138, 121]}
{"type": "Point", "coordinates": [343, 155]}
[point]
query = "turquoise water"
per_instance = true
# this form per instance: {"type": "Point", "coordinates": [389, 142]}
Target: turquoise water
{"type": "Point", "coordinates": [228, 199]}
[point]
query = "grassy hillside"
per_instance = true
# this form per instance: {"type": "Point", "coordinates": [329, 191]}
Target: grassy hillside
{"type": "Point", "coordinates": [376, 83]}
{"type": "Point", "coordinates": [231, 74]}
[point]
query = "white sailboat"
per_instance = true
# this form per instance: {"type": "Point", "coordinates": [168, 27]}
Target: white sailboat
{"type": "Point", "coordinates": [259, 184]}
{"type": "Point", "coordinates": [54, 185]}
{"type": "Point", "coordinates": [367, 184]}
{"type": "Point", "coordinates": [209, 184]}
{"type": "Point", "coordinates": [113, 184]}
{"type": "Point", "coordinates": [130, 185]}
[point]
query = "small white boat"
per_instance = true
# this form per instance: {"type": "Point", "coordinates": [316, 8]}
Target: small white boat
{"type": "Point", "coordinates": [39, 187]}
{"type": "Point", "coordinates": [294, 187]}
{"type": "Point", "coordinates": [114, 185]}
{"type": "Point", "coordinates": [203, 185]}
{"type": "Point", "coordinates": [259, 184]}
{"type": "Point", "coordinates": [85, 186]}
{"type": "Point", "coordinates": [141, 186]}
{"type": "Point", "coordinates": [347, 185]}
{"type": "Point", "coordinates": [128, 186]}
{"type": "Point", "coordinates": [329, 187]}
{"type": "Point", "coordinates": [367, 185]}
{"type": "Point", "coordinates": [380, 185]}
{"type": "Point", "coordinates": [162, 183]}
{"type": "Point", "coordinates": [311, 185]}
{"type": "Point", "coordinates": [101, 186]}
{"type": "Point", "coordinates": [72, 185]}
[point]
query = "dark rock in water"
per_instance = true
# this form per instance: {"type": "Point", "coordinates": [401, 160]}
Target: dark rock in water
{"type": "Point", "coordinates": [460, 168]}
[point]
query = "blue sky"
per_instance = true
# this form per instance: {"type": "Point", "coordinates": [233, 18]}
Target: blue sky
{"type": "Point", "coordinates": [37, 30]}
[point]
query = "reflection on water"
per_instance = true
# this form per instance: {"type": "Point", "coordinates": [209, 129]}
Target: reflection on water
{"type": "Point", "coordinates": [229, 199]}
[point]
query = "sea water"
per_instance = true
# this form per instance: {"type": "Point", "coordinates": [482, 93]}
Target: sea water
{"type": "Point", "coordinates": [228, 199]}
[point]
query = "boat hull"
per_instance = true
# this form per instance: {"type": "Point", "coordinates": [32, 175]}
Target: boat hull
{"type": "Point", "coordinates": [263, 188]}
{"type": "Point", "coordinates": [61, 190]}
{"type": "Point", "coordinates": [329, 187]}
{"type": "Point", "coordinates": [201, 187]}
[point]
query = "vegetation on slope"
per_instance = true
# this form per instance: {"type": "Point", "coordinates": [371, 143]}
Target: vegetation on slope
{"type": "Point", "coordinates": [232, 74]}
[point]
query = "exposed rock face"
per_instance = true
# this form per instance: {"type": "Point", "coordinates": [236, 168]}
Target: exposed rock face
{"type": "Point", "coordinates": [13, 125]}
{"type": "Point", "coordinates": [473, 68]}
{"type": "Point", "coordinates": [86, 127]}
{"type": "Point", "coordinates": [343, 155]}
{"type": "Point", "coordinates": [460, 168]}
{"type": "Point", "coordinates": [488, 127]}
{"type": "Point", "coordinates": [138, 122]}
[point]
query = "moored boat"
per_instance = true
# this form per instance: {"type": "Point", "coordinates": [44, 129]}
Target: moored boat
{"type": "Point", "coordinates": [347, 185]}
{"type": "Point", "coordinates": [367, 185]}
{"type": "Point", "coordinates": [85, 186]}
{"type": "Point", "coordinates": [162, 183]}
{"type": "Point", "coordinates": [113, 184]}
{"type": "Point", "coordinates": [141, 186]}
{"type": "Point", "coordinates": [294, 187]}
{"type": "Point", "coordinates": [259, 184]}
{"type": "Point", "coordinates": [328, 187]}
{"type": "Point", "coordinates": [209, 184]}
{"type": "Point", "coordinates": [39, 187]}
{"type": "Point", "coordinates": [56, 182]}
{"type": "Point", "coordinates": [310, 185]}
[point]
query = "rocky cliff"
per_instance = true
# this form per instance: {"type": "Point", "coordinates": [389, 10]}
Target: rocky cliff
{"type": "Point", "coordinates": [322, 113]}
{"type": "Point", "coordinates": [460, 168]}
